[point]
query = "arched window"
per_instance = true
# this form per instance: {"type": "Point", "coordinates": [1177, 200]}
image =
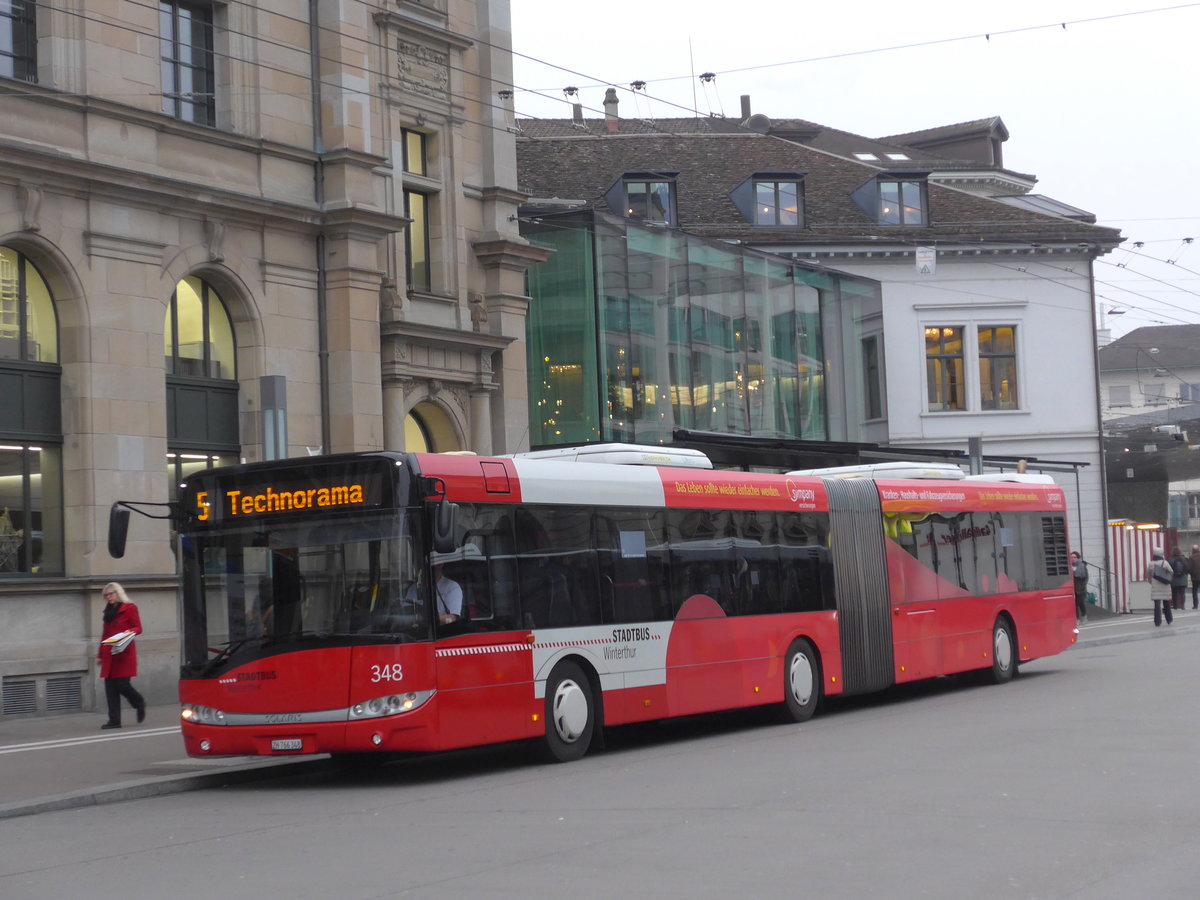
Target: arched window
{"type": "Point", "coordinates": [198, 335]}
{"type": "Point", "coordinates": [416, 435]}
{"type": "Point", "coordinates": [31, 519]}
{"type": "Point", "coordinates": [427, 429]}
{"type": "Point", "coordinates": [202, 387]}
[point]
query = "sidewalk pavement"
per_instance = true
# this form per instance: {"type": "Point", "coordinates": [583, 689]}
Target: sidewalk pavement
{"type": "Point", "coordinates": [66, 762]}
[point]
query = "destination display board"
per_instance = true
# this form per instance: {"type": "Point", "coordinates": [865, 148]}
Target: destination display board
{"type": "Point", "coordinates": [244, 493]}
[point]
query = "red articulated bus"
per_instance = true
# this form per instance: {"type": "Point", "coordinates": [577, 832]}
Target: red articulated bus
{"type": "Point", "coordinates": [386, 602]}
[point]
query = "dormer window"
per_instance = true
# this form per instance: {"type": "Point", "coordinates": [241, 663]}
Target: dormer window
{"type": "Point", "coordinates": [901, 202]}
{"type": "Point", "coordinates": [771, 199]}
{"type": "Point", "coordinates": [649, 201]}
{"type": "Point", "coordinates": [895, 199]}
{"type": "Point", "coordinates": [648, 196]}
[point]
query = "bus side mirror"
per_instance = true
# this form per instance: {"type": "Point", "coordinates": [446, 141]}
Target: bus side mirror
{"type": "Point", "coordinates": [445, 518]}
{"type": "Point", "coordinates": [118, 529]}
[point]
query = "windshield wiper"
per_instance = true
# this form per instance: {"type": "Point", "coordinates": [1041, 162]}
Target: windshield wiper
{"type": "Point", "coordinates": [227, 651]}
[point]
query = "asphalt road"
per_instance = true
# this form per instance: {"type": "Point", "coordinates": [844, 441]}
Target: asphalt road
{"type": "Point", "coordinates": [1080, 779]}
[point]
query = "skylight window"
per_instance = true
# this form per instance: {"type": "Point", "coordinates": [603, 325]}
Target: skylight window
{"type": "Point", "coordinates": [865, 156]}
{"type": "Point", "coordinates": [898, 156]}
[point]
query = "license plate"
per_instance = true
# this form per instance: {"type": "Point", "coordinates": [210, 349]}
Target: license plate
{"type": "Point", "coordinates": [287, 744]}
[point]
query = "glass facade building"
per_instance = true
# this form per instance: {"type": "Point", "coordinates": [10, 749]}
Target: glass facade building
{"type": "Point", "coordinates": [635, 331]}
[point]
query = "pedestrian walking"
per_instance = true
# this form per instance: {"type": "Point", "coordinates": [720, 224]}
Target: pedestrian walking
{"type": "Point", "coordinates": [1159, 572]}
{"type": "Point", "coordinates": [1079, 575]}
{"type": "Point", "coordinates": [117, 656]}
{"type": "Point", "coordinates": [1180, 568]}
{"type": "Point", "coordinates": [1194, 559]}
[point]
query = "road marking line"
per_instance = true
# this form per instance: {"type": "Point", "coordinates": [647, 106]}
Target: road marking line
{"type": "Point", "coordinates": [79, 741]}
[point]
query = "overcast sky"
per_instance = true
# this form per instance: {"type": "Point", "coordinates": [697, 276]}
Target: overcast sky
{"type": "Point", "coordinates": [1103, 112]}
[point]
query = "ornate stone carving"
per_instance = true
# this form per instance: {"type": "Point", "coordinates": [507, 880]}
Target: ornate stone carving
{"type": "Point", "coordinates": [422, 69]}
{"type": "Point", "coordinates": [29, 197]}
{"type": "Point", "coordinates": [435, 387]}
{"type": "Point", "coordinates": [391, 301]}
{"type": "Point", "coordinates": [214, 239]}
{"type": "Point", "coordinates": [479, 314]}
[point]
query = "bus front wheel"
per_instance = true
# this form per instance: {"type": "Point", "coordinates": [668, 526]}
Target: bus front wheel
{"type": "Point", "coordinates": [1004, 652]}
{"type": "Point", "coordinates": [570, 713]}
{"type": "Point", "coordinates": [801, 681]}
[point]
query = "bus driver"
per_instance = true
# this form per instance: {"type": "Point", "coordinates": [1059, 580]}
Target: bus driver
{"type": "Point", "coordinates": [449, 596]}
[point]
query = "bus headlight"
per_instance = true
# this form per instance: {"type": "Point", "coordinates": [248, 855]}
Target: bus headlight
{"type": "Point", "coordinates": [389, 705]}
{"type": "Point", "coordinates": [202, 715]}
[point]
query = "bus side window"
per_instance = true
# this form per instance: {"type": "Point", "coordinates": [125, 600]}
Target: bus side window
{"type": "Point", "coordinates": [632, 561]}
{"type": "Point", "coordinates": [757, 573]}
{"type": "Point", "coordinates": [555, 559]}
{"type": "Point", "coordinates": [806, 568]}
{"type": "Point", "coordinates": [703, 560]}
{"type": "Point", "coordinates": [489, 566]}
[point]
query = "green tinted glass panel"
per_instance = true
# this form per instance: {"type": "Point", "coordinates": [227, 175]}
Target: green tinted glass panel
{"type": "Point", "coordinates": [562, 336]}
{"type": "Point", "coordinates": [688, 334]}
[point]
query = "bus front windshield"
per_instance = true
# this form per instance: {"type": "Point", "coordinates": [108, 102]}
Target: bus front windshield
{"type": "Point", "coordinates": [265, 588]}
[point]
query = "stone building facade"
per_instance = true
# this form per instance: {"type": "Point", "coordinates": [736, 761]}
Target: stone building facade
{"type": "Point", "coordinates": [234, 232]}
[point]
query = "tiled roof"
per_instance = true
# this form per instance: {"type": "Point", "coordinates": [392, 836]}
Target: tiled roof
{"type": "Point", "coordinates": [1177, 346]}
{"type": "Point", "coordinates": [820, 137]}
{"type": "Point", "coordinates": [991, 123]}
{"type": "Point", "coordinates": [811, 134]}
{"type": "Point", "coordinates": [558, 159]}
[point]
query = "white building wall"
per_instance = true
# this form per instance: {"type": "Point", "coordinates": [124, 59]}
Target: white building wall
{"type": "Point", "coordinates": [1049, 300]}
{"type": "Point", "coordinates": [1150, 388]}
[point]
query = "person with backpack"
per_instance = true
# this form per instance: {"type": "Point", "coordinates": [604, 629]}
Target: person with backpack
{"type": "Point", "coordinates": [1159, 574]}
{"type": "Point", "coordinates": [1079, 575]}
{"type": "Point", "coordinates": [1179, 578]}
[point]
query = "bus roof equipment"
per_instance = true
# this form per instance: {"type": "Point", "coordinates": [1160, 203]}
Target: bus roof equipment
{"type": "Point", "coordinates": [904, 470]}
{"type": "Point", "coordinates": [625, 455]}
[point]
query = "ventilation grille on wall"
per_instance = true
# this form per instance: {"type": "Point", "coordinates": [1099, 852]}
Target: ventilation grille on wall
{"type": "Point", "coordinates": [64, 693]}
{"type": "Point", "coordinates": [20, 697]}
{"type": "Point", "coordinates": [31, 694]}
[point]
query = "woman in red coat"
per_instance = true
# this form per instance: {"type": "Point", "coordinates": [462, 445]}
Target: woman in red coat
{"type": "Point", "coordinates": [117, 667]}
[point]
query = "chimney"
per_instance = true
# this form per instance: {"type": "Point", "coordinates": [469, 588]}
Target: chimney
{"type": "Point", "coordinates": [610, 109]}
{"type": "Point", "coordinates": [745, 107]}
{"type": "Point", "coordinates": [577, 113]}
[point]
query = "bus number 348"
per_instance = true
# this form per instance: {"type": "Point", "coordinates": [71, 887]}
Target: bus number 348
{"type": "Point", "coordinates": [394, 672]}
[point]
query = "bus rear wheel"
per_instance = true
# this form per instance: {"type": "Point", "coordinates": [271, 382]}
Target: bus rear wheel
{"type": "Point", "coordinates": [801, 681]}
{"type": "Point", "coordinates": [570, 713]}
{"type": "Point", "coordinates": [1004, 652]}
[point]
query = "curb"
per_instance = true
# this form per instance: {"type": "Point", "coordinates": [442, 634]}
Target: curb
{"type": "Point", "coordinates": [161, 786]}
{"type": "Point", "coordinates": [1126, 638]}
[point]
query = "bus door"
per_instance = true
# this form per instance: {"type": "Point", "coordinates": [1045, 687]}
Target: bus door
{"type": "Point", "coordinates": [860, 577]}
